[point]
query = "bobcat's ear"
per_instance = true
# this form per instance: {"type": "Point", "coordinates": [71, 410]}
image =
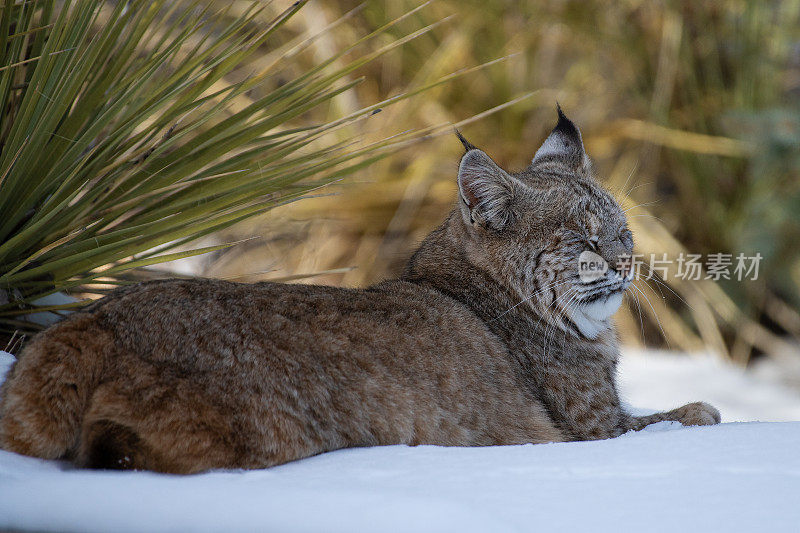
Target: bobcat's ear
{"type": "Point", "coordinates": [564, 145]}
{"type": "Point", "coordinates": [485, 190]}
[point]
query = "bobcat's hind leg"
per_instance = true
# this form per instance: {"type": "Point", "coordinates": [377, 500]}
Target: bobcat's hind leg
{"type": "Point", "coordinates": [46, 392]}
{"type": "Point", "coordinates": [162, 422]}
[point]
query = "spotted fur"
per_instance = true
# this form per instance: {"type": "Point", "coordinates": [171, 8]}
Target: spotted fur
{"type": "Point", "coordinates": [489, 337]}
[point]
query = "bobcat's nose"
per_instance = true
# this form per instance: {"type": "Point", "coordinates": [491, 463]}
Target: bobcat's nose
{"type": "Point", "coordinates": [623, 265]}
{"type": "Point", "coordinates": [618, 258]}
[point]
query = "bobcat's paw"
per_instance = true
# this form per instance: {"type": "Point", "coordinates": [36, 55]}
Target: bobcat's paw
{"type": "Point", "coordinates": [697, 414]}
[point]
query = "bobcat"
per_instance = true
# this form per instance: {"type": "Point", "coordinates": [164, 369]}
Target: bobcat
{"type": "Point", "coordinates": [490, 336]}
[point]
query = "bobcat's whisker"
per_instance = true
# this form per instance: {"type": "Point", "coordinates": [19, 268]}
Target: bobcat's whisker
{"type": "Point", "coordinates": [633, 188]}
{"type": "Point", "coordinates": [626, 194]}
{"type": "Point", "coordinates": [666, 286]}
{"type": "Point", "coordinates": [647, 215]}
{"type": "Point", "coordinates": [655, 315]}
{"type": "Point", "coordinates": [639, 309]}
{"type": "Point", "coordinates": [536, 293]}
{"type": "Point", "coordinates": [553, 327]}
{"type": "Point", "coordinates": [645, 204]}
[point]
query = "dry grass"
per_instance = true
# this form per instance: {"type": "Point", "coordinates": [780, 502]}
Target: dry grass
{"type": "Point", "coordinates": [688, 109]}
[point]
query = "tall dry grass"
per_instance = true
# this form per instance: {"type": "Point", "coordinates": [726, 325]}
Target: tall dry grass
{"type": "Point", "coordinates": [689, 110]}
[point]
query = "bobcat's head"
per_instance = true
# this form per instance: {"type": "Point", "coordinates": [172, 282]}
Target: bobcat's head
{"type": "Point", "coordinates": [550, 233]}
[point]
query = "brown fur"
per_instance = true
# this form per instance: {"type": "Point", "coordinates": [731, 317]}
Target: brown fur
{"type": "Point", "coordinates": [477, 344]}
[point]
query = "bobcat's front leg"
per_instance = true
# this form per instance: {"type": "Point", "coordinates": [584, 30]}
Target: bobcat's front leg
{"type": "Point", "coordinates": [691, 414]}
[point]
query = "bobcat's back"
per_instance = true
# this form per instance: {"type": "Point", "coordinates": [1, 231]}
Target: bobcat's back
{"type": "Point", "coordinates": [183, 376]}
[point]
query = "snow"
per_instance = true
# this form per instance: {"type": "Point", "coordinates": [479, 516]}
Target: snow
{"type": "Point", "coordinates": [47, 318]}
{"type": "Point", "coordinates": [663, 380]}
{"type": "Point", "coordinates": [732, 477]}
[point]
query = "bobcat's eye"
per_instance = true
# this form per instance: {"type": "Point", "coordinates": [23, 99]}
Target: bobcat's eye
{"type": "Point", "coordinates": [626, 238]}
{"type": "Point", "coordinates": [593, 241]}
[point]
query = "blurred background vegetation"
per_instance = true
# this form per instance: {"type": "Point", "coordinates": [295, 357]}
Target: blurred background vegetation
{"type": "Point", "coordinates": [690, 111]}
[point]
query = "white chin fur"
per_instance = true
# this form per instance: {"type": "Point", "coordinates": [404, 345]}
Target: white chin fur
{"type": "Point", "coordinates": [592, 319]}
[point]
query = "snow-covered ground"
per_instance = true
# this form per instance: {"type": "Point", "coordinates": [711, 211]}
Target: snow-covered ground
{"type": "Point", "coordinates": [663, 380]}
{"type": "Point", "coordinates": [732, 477]}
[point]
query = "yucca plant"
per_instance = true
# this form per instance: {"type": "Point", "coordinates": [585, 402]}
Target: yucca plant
{"type": "Point", "coordinates": [122, 139]}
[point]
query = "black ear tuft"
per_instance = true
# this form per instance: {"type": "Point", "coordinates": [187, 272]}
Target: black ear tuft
{"type": "Point", "coordinates": [564, 145]}
{"type": "Point", "coordinates": [566, 127]}
{"type": "Point", "coordinates": [467, 145]}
